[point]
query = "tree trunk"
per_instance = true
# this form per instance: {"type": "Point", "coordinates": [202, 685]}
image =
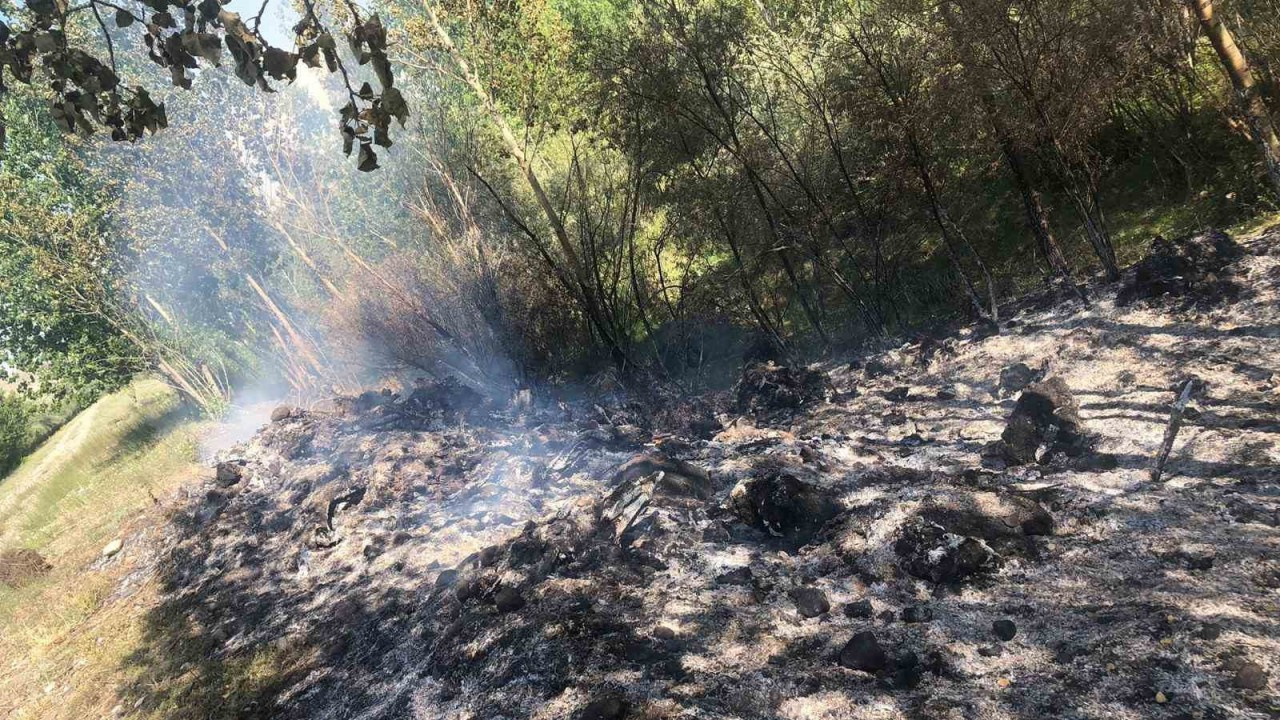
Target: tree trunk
{"type": "Point", "coordinates": [1037, 215]}
{"type": "Point", "coordinates": [1261, 125]}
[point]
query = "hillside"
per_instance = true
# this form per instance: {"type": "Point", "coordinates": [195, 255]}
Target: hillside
{"type": "Point", "coordinates": [863, 539]}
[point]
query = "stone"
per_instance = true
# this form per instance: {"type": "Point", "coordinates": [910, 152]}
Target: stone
{"type": "Point", "coordinates": [1210, 631]}
{"type": "Point", "coordinates": [281, 412]}
{"type": "Point", "coordinates": [912, 614]}
{"type": "Point", "coordinates": [608, 707]}
{"type": "Point", "coordinates": [991, 651]}
{"type": "Point", "coordinates": [1004, 629]}
{"type": "Point", "coordinates": [1015, 378]}
{"type": "Point", "coordinates": [810, 601]}
{"type": "Point", "coordinates": [1251, 676]}
{"type": "Point", "coordinates": [863, 652]}
{"type": "Point", "coordinates": [228, 473]}
{"type": "Point", "coordinates": [898, 394]}
{"type": "Point", "coordinates": [737, 576]}
{"type": "Point", "coordinates": [113, 548]}
{"type": "Point", "coordinates": [785, 506]}
{"type": "Point", "coordinates": [663, 632]}
{"type": "Point", "coordinates": [859, 609]}
{"type": "Point", "coordinates": [1045, 421]}
{"type": "Point", "coordinates": [875, 367]}
{"type": "Point", "coordinates": [508, 599]}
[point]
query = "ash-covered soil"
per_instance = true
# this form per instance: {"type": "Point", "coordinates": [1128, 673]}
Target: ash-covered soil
{"type": "Point", "coordinates": [960, 527]}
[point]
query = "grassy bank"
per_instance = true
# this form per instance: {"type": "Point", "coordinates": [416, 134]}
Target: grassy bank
{"type": "Point", "coordinates": [63, 636]}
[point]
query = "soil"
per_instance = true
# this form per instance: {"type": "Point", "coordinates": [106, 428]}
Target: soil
{"type": "Point", "coordinates": [861, 553]}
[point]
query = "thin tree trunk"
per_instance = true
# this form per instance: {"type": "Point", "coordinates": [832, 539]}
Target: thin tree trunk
{"type": "Point", "coordinates": [1261, 125]}
{"type": "Point", "coordinates": [589, 300]}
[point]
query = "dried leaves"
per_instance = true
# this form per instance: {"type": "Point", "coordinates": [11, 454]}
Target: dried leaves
{"type": "Point", "coordinates": [181, 35]}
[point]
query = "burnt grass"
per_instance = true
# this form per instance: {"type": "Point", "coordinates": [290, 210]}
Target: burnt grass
{"type": "Point", "coordinates": [854, 545]}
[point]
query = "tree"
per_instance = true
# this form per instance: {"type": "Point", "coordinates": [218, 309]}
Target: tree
{"type": "Point", "coordinates": [1261, 125]}
{"type": "Point", "coordinates": [50, 40]}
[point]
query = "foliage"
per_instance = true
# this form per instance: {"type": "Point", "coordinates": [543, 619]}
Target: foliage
{"type": "Point", "coordinates": [15, 437]}
{"type": "Point", "coordinates": [51, 40]}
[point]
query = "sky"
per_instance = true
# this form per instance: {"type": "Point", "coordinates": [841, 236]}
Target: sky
{"type": "Point", "coordinates": [277, 22]}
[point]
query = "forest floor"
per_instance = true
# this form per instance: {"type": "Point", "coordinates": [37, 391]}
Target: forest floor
{"type": "Point", "coordinates": [854, 540]}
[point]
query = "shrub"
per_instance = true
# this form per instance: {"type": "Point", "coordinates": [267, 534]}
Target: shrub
{"type": "Point", "coordinates": [15, 436]}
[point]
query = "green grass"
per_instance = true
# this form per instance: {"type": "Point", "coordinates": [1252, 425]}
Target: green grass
{"type": "Point", "coordinates": [98, 477]}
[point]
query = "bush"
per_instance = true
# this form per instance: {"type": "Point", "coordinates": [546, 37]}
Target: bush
{"type": "Point", "coordinates": [15, 436]}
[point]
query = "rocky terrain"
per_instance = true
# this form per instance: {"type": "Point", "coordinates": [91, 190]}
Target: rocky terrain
{"type": "Point", "coordinates": [958, 526]}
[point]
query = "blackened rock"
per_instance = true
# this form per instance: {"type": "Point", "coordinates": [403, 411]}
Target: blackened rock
{"type": "Point", "coordinates": [783, 505]}
{"type": "Point", "coordinates": [1004, 629]}
{"type": "Point", "coordinates": [766, 387]}
{"type": "Point", "coordinates": [860, 609]}
{"type": "Point", "coordinates": [1015, 378]}
{"type": "Point", "coordinates": [1193, 267]}
{"type": "Point", "coordinates": [990, 651]}
{"type": "Point", "coordinates": [508, 599]}
{"type": "Point", "coordinates": [281, 412]}
{"type": "Point", "coordinates": [863, 652]}
{"type": "Point", "coordinates": [898, 394]}
{"type": "Point", "coordinates": [929, 552]}
{"type": "Point", "coordinates": [229, 473]}
{"type": "Point", "coordinates": [917, 614]}
{"type": "Point", "coordinates": [875, 367]}
{"type": "Point", "coordinates": [737, 576]}
{"type": "Point", "coordinates": [810, 601]}
{"type": "Point", "coordinates": [1045, 420]}
{"type": "Point", "coordinates": [1251, 676]}
{"type": "Point", "coordinates": [609, 707]}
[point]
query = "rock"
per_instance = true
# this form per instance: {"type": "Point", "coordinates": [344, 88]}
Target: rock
{"type": "Point", "coordinates": [1045, 421]}
{"type": "Point", "coordinates": [810, 601]}
{"type": "Point", "coordinates": [1004, 629]}
{"type": "Point", "coordinates": [947, 392]}
{"type": "Point", "coordinates": [113, 548]}
{"type": "Point", "coordinates": [281, 412]}
{"type": "Point", "coordinates": [898, 394]}
{"type": "Point", "coordinates": [779, 502]}
{"type": "Point", "coordinates": [662, 632]}
{"type": "Point", "coordinates": [1193, 267]}
{"type": "Point", "coordinates": [508, 599]}
{"type": "Point", "coordinates": [1210, 631]}
{"type": "Point", "coordinates": [1015, 378]}
{"type": "Point", "coordinates": [1251, 676]}
{"type": "Point", "coordinates": [766, 387]}
{"type": "Point", "coordinates": [863, 652]}
{"type": "Point", "coordinates": [875, 367]}
{"type": "Point", "coordinates": [990, 651]}
{"type": "Point", "coordinates": [18, 567]}
{"type": "Point", "coordinates": [608, 707]}
{"type": "Point", "coordinates": [928, 551]}
{"type": "Point", "coordinates": [229, 473]}
{"type": "Point", "coordinates": [912, 614]}
{"type": "Point", "coordinates": [737, 576]}
{"type": "Point", "coordinates": [860, 609]}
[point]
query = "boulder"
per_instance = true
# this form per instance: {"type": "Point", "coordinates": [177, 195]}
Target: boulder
{"type": "Point", "coordinates": [229, 473]}
{"type": "Point", "coordinates": [955, 537]}
{"type": "Point", "coordinates": [783, 505]}
{"type": "Point", "coordinates": [1016, 377]}
{"type": "Point", "coordinates": [810, 601]}
{"type": "Point", "coordinates": [1045, 421]}
{"type": "Point", "coordinates": [863, 652]}
{"type": "Point", "coordinates": [1193, 267]}
{"type": "Point", "coordinates": [766, 387]}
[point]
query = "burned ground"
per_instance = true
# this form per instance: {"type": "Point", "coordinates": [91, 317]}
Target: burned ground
{"type": "Point", "coordinates": [867, 556]}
